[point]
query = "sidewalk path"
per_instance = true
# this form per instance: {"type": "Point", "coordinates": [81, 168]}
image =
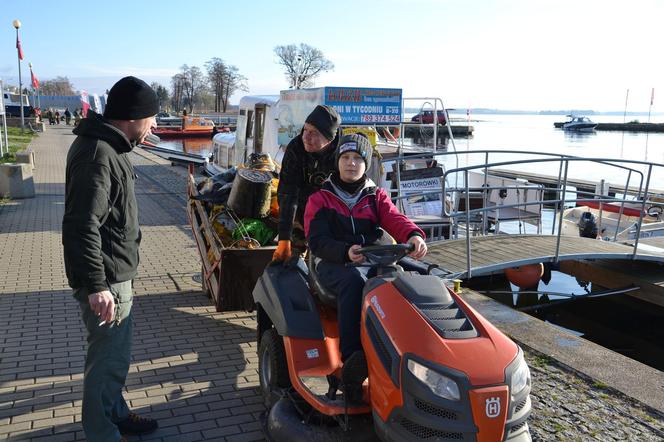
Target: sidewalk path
{"type": "Point", "coordinates": [193, 368]}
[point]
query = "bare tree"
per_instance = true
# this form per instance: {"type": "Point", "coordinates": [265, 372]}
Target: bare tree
{"type": "Point", "coordinates": [224, 81]}
{"type": "Point", "coordinates": [57, 86]}
{"type": "Point", "coordinates": [193, 84]}
{"type": "Point", "coordinates": [216, 69]}
{"type": "Point", "coordinates": [162, 93]}
{"type": "Point", "coordinates": [233, 81]}
{"type": "Point", "coordinates": [177, 96]}
{"type": "Point", "coordinates": [302, 64]}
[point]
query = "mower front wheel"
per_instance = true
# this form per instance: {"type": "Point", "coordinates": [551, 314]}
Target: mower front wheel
{"type": "Point", "coordinates": [272, 367]}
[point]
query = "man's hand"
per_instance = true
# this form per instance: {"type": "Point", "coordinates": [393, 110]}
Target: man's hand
{"type": "Point", "coordinates": [102, 304]}
{"type": "Point", "coordinates": [283, 252]}
{"type": "Point", "coordinates": [357, 258]}
{"type": "Point", "coordinates": [420, 247]}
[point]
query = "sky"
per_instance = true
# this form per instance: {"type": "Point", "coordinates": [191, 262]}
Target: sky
{"type": "Point", "coordinates": [511, 54]}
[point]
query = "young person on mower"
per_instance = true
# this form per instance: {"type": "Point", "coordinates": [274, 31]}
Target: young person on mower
{"type": "Point", "coordinates": [346, 214]}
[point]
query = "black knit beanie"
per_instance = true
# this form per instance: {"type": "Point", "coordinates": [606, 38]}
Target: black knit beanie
{"type": "Point", "coordinates": [326, 120]}
{"type": "Point", "coordinates": [131, 99]}
{"type": "Point", "coordinates": [354, 143]}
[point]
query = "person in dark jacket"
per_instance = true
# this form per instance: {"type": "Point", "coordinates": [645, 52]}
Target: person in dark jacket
{"type": "Point", "coordinates": [101, 237]}
{"type": "Point", "coordinates": [346, 214]}
{"type": "Point", "coordinates": [308, 161]}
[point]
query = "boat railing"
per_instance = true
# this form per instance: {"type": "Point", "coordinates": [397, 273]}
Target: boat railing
{"type": "Point", "coordinates": [483, 165]}
{"type": "Point", "coordinates": [472, 216]}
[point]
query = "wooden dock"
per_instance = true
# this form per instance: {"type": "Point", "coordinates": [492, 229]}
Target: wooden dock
{"type": "Point", "coordinates": [498, 252]}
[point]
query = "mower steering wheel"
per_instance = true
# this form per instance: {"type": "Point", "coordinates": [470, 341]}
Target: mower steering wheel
{"type": "Point", "coordinates": [386, 255]}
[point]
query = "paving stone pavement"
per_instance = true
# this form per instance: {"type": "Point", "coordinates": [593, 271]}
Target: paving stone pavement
{"type": "Point", "coordinates": [192, 368]}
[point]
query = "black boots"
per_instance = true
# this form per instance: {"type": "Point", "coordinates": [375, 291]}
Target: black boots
{"type": "Point", "coordinates": [353, 374]}
{"type": "Point", "coordinates": [135, 424]}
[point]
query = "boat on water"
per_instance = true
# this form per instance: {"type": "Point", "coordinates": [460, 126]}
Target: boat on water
{"type": "Point", "coordinates": [605, 221]}
{"type": "Point", "coordinates": [577, 123]}
{"type": "Point", "coordinates": [187, 126]}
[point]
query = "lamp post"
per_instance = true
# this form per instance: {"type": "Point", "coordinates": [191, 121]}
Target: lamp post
{"type": "Point", "coordinates": [17, 25]}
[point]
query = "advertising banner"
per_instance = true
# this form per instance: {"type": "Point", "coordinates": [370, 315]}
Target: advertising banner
{"type": "Point", "coordinates": [416, 204]}
{"type": "Point", "coordinates": [359, 106]}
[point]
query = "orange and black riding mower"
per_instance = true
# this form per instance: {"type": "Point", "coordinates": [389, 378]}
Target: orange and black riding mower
{"type": "Point", "coordinates": [437, 370]}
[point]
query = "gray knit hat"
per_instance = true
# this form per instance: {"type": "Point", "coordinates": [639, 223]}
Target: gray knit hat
{"type": "Point", "coordinates": [357, 142]}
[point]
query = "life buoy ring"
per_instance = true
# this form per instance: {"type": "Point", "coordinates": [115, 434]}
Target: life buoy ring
{"type": "Point", "coordinates": [525, 277]}
{"type": "Point", "coordinates": [388, 135]}
{"type": "Point", "coordinates": [396, 132]}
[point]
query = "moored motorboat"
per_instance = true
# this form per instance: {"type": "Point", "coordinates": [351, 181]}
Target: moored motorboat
{"type": "Point", "coordinates": [609, 223]}
{"type": "Point", "coordinates": [189, 127]}
{"type": "Point", "coordinates": [575, 123]}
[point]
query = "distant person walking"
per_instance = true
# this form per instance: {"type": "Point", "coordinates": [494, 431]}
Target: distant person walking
{"type": "Point", "coordinates": [57, 117]}
{"type": "Point", "coordinates": [101, 237]}
{"type": "Point", "coordinates": [50, 116]}
{"type": "Point", "coordinates": [67, 116]}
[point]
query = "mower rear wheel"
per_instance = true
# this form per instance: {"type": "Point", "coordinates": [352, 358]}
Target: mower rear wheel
{"type": "Point", "coordinates": [272, 367]}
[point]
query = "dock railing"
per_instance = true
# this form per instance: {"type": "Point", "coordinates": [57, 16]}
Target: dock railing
{"type": "Point", "coordinates": [629, 168]}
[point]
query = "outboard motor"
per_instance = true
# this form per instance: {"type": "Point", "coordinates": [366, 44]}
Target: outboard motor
{"type": "Point", "coordinates": [587, 226]}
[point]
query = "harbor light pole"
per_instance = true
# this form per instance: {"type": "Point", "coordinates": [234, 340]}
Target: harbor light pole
{"type": "Point", "coordinates": [17, 25]}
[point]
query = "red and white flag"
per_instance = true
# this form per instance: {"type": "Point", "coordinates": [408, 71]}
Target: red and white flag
{"type": "Point", "coordinates": [18, 47]}
{"type": "Point", "coordinates": [35, 81]}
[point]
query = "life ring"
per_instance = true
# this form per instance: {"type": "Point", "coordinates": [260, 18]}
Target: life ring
{"type": "Point", "coordinates": [388, 135]}
{"type": "Point", "coordinates": [525, 277]}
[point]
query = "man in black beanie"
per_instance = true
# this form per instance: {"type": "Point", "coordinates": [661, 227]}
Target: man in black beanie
{"type": "Point", "coordinates": [101, 236]}
{"type": "Point", "coordinates": [308, 161]}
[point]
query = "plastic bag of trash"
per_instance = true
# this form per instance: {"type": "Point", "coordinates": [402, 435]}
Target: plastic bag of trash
{"type": "Point", "coordinates": [254, 228]}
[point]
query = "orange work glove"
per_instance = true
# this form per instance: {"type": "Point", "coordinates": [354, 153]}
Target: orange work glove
{"type": "Point", "coordinates": [283, 252]}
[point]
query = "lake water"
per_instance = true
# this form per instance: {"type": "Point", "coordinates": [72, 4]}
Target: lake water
{"type": "Point", "coordinates": [535, 133]}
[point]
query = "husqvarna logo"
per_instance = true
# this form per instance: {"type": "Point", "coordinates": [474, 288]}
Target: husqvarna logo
{"type": "Point", "coordinates": [493, 407]}
{"type": "Point", "coordinates": [374, 302]}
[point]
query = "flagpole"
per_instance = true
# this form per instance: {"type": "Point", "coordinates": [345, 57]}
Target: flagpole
{"type": "Point", "coordinates": [652, 98]}
{"type": "Point", "coordinates": [622, 142]}
{"type": "Point", "coordinates": [17, 24]}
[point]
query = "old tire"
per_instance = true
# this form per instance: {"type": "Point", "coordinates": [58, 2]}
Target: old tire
{"type": "Point", "coordinates": [272, 367]}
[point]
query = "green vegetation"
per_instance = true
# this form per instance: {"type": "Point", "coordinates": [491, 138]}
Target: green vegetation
{"type": "Point", "coordinates": [17, 141]}
{"type": "Point", "coordinates": [540, 361]}
{"type": "Point", "coordinates": [600, 385]}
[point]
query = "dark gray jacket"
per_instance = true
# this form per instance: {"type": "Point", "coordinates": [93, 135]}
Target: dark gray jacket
{"type": "Point", "coordinates": [100, 232]}
{"type": "Point", "coordinates": [302, 173]}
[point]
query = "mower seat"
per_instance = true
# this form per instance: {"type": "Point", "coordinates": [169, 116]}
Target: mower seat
{"type": "Point", "coordinates": [324, 295]}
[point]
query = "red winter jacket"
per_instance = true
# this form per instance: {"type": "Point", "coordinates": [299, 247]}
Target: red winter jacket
{"type": "Point", "coordinates": [332, 227]}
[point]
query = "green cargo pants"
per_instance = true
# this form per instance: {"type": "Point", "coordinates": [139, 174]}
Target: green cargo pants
{"type": "Point", "coordinates": [106, 365]}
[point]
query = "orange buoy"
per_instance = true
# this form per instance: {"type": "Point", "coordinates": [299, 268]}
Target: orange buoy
{"type": "Point", "coordinates": [525, 277]}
